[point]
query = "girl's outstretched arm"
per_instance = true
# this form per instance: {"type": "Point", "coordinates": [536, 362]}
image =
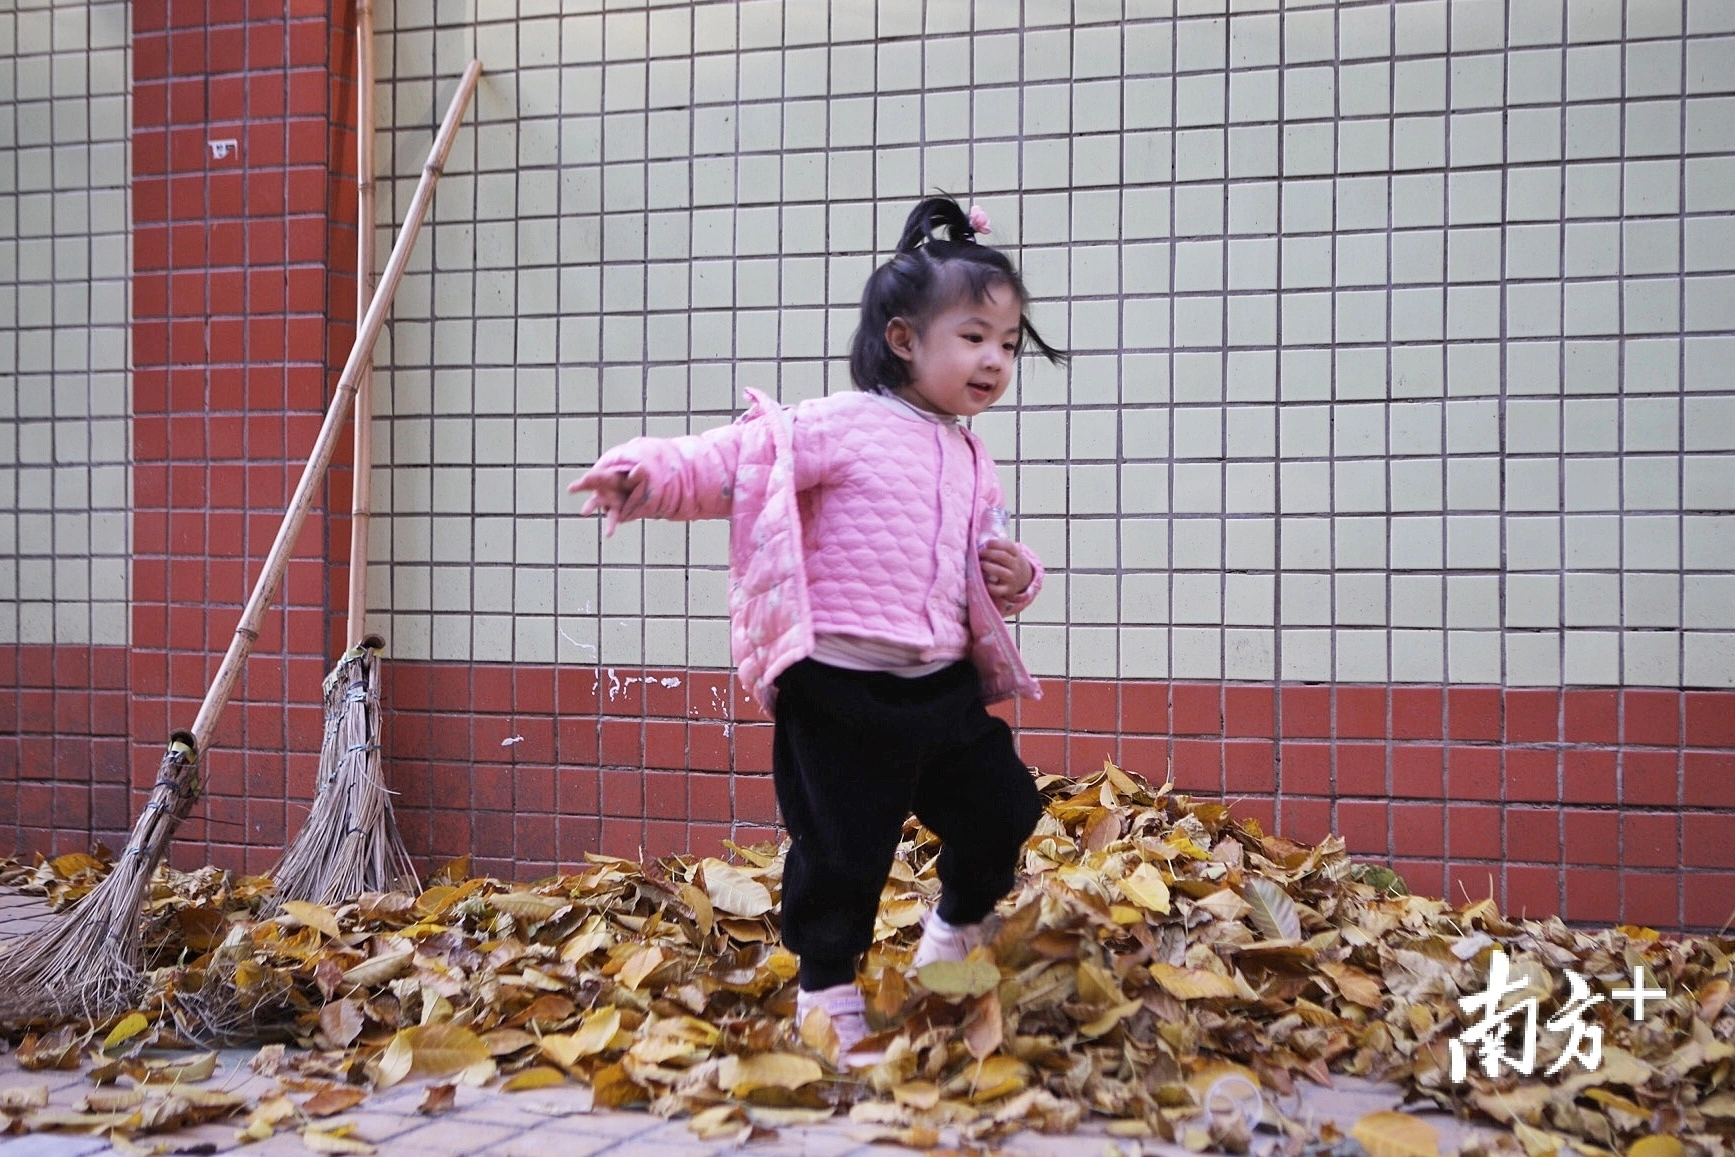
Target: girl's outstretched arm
{"type": "Point", "coordinates": [683, 478]}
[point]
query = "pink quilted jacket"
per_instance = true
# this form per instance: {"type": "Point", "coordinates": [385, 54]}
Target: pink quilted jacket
{"type": "Point", "coordinates": [795, 481]}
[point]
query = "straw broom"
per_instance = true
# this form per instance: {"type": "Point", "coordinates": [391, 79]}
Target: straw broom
{"type": "Point", "coordinates": [87, 964]}
{"type": "Point", "coordinates": [350, 842]}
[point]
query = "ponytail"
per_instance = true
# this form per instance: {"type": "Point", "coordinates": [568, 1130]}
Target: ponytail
{"type": "Point", "coordinates": [928, 272]}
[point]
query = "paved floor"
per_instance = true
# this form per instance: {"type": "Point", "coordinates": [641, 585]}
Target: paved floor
{"type": "Point", "coordinates": [557, 1122]}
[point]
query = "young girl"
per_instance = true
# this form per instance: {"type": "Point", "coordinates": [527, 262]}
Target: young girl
{"type": "Point", "coordinates": [868, 573]}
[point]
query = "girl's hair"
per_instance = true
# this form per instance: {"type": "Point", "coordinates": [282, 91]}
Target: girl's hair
{"type": "Point", "coordinates": [926, 274]}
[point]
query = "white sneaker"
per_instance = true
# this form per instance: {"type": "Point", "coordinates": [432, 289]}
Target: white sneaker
{"type": "Point", "coordinates": [943, 941]}
{"type": "Point", "coordinates": [843, 1003]}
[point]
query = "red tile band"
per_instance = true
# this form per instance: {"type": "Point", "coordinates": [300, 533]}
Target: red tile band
{"type": "Point", "coordinates": [1574, 823]}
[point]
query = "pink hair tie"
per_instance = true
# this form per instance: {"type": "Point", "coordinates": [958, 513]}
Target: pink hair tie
{"type": "Point", "coordinates": [979, 220]}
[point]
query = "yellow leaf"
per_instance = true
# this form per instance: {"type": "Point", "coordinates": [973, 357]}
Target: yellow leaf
{"type": "Point", "coordinates": [592, 1037]}
{"type": "Point", "coordinates": [733, 891]}
{"type": "Point", "coordinates": [539, 1077]}
{"type": "Point", "coordinates": [265, 1117]}
{"type": "Point", "coordinates": [1721, 1105]}
{"type": "Point", "coordinates": [433, 1050]}
{"type": "Point", "coordinates": [770, 1117]}
{"type": "Point", "coordinates": [378, 969]}
{"type": "Point", "coordinates": [970, 977]}
{"type": "Point", "coordinates": [923, 1137]}
{"type": "Point", "coordinates": [1109, 1019]}
{"type": "Point", "coordinates": [640, 965]}
{"type": "Point", "coordinates": [199, 1068]}
{"type": "Point", "coordinates": [1658, 1146]}
{"type": "Point", "coordinates": [131, 1025]}
{"type": "Point", "coordinates": [612, 1088]}
{"type": "Point", "coordinates": [394, 1063]}
{"type": "Point", "coordinates": [1396, 1135]}
{"type": "Point", "coordinates": [505, 1041]}
{"type": "Point", "coordinates": [531, 907]}
{"type": "Point", "coordinates": [1536, 1142]}
{"type": "Point", "coordinates": [333, 1141]}
{"type": "Point", "coordinates": [917, 1094]}
{"type": "Point", "coordinates": [703, 914]}
{"type": "Point", "coordinates": [1144, 886]}
{"type": "Point", "coordinates": [592, 936]}
{"type": "Point", "coordinates": [1097, 985]}
{"type": "Point", "coordinates": [316, 916]}
{"type": "Point", "coordinates": [72, 863]}
{"type": "Point", "coordinates": [1193, 983]}
{"type": "Point", "coordinates": [445, 1048]}
{"type": "Point", "coordinates": [1223, 905]}
{"type": "Point", "coordinates": [720, 1122]}
{"type": "Point", "coordinates": [742, 1075]}
{"type": "Point", "coordinates": [1356, 986]}
{"type": "Point", "coordinates": [656, 1050]}
{"type": "Point", "coordinates": [996, 1077]}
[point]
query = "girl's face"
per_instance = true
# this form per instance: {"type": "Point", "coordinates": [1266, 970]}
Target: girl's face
{"type": "Point", "coordinates": [962, 362]}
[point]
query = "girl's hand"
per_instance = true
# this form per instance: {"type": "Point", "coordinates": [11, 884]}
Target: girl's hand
{"type": "Point", "coordinates": [617, 493]}
{"type": "Point", "coordinates": [1007, 572]}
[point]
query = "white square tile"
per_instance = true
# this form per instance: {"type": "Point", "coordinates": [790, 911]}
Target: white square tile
{"type": "Point", "coordinates": [1650, 658]}
{"type": "Point", "coordinates": [1706, 599]}
{"type": "Point", "coordinates": [1592, 484]}
{"type": "Point", "coordinates": [1144, 654]}
{"type": "Point", "coordinates": [1651, 600]}
{"type": "Point", "coordinates": [1306, 655]}
{"type": "Point", "coordinates": [1709, 659]}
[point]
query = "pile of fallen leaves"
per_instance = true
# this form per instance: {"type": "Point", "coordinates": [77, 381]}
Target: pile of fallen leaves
{"type": "Point", "coordinates": [1158, 961]}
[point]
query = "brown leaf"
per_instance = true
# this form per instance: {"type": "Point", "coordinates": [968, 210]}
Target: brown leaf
{"type": "Point", "coordinates": [530, 907]}
{"type": "Point", "coordinates": [341, 1021]}
{"type": "Point", "coordinates": [333, 1100]}
{"type": "Point", "coordinates": [106, 1100]}
{"type": "Point", "coordinates": [438, 1099]}
{"type": "Point", "coordinates": [57, 1050]}
{"type": "Point", "coordinates": [1273, 911]}
{"type": "Point", "coordinates": [1102, 829]}
{"type": "Point", "coordinates": [983, 1025]}
{"type": "Point", "coordinates": [703, 914]}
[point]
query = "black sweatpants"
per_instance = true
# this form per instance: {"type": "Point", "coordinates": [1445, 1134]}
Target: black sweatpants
{"type": "Point", "coordinates": [854, 753]}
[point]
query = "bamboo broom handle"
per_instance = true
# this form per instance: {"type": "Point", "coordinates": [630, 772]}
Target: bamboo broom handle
{"type": "Point", "coordinates": [247, 631]}
{"type": "Point", "coordinates": [361, 510]}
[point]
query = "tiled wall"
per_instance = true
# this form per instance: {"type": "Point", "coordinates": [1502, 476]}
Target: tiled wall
{"type": "Point", "coordinates": [63, 324]}
{"type": "Point", "coordinates": [243, 213]}
{"type": "Point", "coordinates": [65, 530]}
{"type": "Point", "coordinates": [1402, 330]}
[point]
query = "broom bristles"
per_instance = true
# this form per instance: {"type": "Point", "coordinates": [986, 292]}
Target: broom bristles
{"type": "Point", "coordinates": [350, 842]}
{"type": "Point", "coordinates": [87, 965]}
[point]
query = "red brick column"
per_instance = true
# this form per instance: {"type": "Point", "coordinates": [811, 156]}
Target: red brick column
{"type": "Point", "coordinates": [241, 264]}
